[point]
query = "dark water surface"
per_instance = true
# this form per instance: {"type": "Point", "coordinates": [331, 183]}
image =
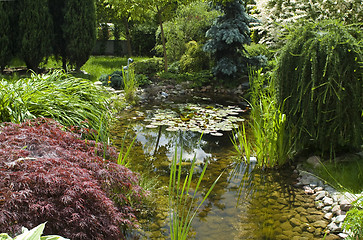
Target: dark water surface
{"type": "Point", "coordinates": [246, 203]}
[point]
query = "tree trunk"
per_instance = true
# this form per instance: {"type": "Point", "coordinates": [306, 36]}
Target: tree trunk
{"type": "Point", "coordinates": [128, 37]}
{"type": "Point", "coordinates": [163, 42]}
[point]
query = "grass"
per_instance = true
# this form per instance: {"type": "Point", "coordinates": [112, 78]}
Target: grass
{"type": "Point", "coordinates": [344, 176]}
{"type": "Point", "coordinates": [69, 100]}
{"type": "Point", "coordinates": [95, 66]}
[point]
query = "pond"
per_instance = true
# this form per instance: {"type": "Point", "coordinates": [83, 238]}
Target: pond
{"type": "Point", "coordinates": [246, 203]}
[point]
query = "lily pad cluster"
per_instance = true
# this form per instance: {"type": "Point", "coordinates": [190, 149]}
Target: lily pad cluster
{"type": "Point", "coordinates": [191, 117]}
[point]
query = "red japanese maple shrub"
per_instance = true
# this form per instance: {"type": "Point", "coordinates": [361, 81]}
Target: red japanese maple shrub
{"type": "Point", "coordinates": [50, 175]}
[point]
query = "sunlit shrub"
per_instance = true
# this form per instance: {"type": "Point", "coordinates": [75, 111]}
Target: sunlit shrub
{"type": "Point", "coordinates": [148, 66]}
{"type": "Point", "coordinates": [195, 59]}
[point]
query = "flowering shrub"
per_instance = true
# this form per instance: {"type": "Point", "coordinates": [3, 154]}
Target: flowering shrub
{"type": "Point", "coordinates": [49, 175]}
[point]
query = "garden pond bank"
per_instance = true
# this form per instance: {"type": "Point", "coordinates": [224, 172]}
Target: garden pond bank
{"type": "Point", "coordinates": [246, 203]}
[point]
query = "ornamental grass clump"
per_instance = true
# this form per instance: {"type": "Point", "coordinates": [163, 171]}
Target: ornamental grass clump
{"type": "Point", "coordinates": [319, 79]}
{"type": "Point", "coordinates": [69, 100]}
{"type": "Point", "coordinates": [50, 175]}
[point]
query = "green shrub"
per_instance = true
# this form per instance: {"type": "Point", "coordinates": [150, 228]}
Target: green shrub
{"type": "Point", "coordinates": [114, 80]}
{"type": "Point", "coordinates": [195, 59]}
{"type": "Point", "coordinates": [353, 222]}
{"type": "Point", "coordinates": [148, 66]}
{"type": "Point", "coordinates": [319, 76]}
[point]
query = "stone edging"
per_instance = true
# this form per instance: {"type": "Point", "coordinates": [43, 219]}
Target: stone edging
{"type": "Point", "coordinates": [332, 203]}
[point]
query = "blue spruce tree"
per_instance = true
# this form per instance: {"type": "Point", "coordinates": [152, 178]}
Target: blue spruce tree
{"type": "Point", "coordinates": [226, 39]}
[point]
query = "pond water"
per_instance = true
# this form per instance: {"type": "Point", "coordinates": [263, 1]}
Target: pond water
{"type": "Point", "coordinates": [246, 203]}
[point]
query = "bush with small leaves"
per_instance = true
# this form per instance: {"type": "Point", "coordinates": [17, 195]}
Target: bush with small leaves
{"type": "Point", "coordinates": [51, 175]}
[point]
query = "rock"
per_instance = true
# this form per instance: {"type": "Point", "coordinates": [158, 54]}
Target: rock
{"type": "Point", "coordinates": [333, 227]}
{"type": "Point", "coordinates": [343, 235]}
{"type": "Point", "coordinates": [320, 224]}
{"type": "Point", "coordinates": [295, 222]}
{"type": "Point", "coordinates": [332, 237]}
{"type": "Point", "coordinates": [340, 218]}
{"type": "Point", "coordinates": [328, 216]}
{"type": "Point", "coordinates": [336, 209]}
{"type": "Point", "coordinates": [318, 189]}
{"type": "Point", "coordinates": [313, 218]}
{"type": "Point", "coordinates": [327, 201]}
{"type": "Point", "coordinates": [327, 209]}
{"type": "Point", "coordinates": [319, 205]}
{"type": "Point", "coordinates": [344, 205]}
{"type": "Point", "coordinates": [314, 161]}
{"type": "Point", "coordinates": [320, 195]}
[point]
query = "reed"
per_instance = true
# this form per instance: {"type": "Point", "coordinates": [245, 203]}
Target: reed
{"type": "Point", "coordinates": [181, 203]}
{"type": "Point", "coordinates": [130, 85]}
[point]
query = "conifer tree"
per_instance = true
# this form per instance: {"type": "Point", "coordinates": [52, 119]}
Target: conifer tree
{"type": "Point", "coordinates": [36, 31]}
{"type": "Point", "coordinates": [5, 43]}
{"type": "Point", "coordinates": [79, 31]}
{"type": "Point", "coordinates": [226, 38]}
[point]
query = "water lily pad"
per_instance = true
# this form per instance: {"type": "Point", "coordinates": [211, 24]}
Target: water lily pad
{"type": "Point", "coordinates": [217, 134]}
{"type": "Point", "coordinates": [151, 126]}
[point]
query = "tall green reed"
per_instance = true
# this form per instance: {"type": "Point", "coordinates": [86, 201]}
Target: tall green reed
{"type": "Point", "coordinates": [130, 85]}
{"type": "Point", "coordinates": [270, 142]}
{"type": "Point", "coordinates": [182, 210]}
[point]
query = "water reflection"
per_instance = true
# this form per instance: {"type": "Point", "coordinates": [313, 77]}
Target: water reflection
{"type": "Point", "coordinates": [245, 203]}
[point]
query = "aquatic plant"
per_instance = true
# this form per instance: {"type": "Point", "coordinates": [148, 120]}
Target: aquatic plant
{"type": "Point", "coordinates": [241, 144]}
{"type": "Point", "coordinates": [207, 120]}
{"type": "Point", "coordinates": [181, 202]}
{"type": "Point", "coordinates": [35, 233]}
{"type": "Point", "coordinates": [271, 143]}
{"type": "Point", "coordinates": [130, 85]}
{"type": "Point", "coordinates": [319, 81]}
{"type": "Point", "coordinates": [48, 174]}
{"type": "Point", "coordinates": [69, 100]}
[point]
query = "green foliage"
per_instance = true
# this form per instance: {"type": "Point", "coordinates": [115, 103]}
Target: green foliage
{"type": "Point", "coordinates": [36, 32]}
{"type": "Point", "coordinates": [148, 66]}
{"type": "Point", "coordinates": [190, 24]}
{"type": "Point", "coordinates": [195, 59]}
{"type": "Point", "coordinates": [353, 222]}
{"type": "Point", "coordinates": [226, 39]}
{"type": "Point", "coordinates": [271, 142]}
{"type": "Point", "coordinates": [197, 79]}
{"type": "Point", "coordinates": [130, 85]}
{"type": "Point", "coordinates": [5, 41]}
{"type": "Point", "coordinates": [274, 15]}
{"type": "Point", "coordinates": [32, 234]}
{"type": "Point", "coordinates": [319, 78]}
{"type": "Point", "coordinates": [114, 80]}
{"type": "Point", "coordinates": [79, 31]}
{"type": "Point", "coordinates": [241, 144]}
{"type": "Point", "coordinates": [71, 101]}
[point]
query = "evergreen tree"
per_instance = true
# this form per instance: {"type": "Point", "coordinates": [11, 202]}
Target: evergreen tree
{"type": "Point", "coordinates": [5, 43]}
{"type": "Point", "coordinates": [79, 31]}
{"type": "Point", "coordinates": [36, 29]}
{"type": "Point", "coordinates": [56, 10]}
{"type": "Point", "coordinates": [226, 38]}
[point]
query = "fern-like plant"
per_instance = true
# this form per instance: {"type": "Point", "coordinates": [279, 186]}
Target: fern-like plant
{"type": "Point", "coordinates": [319, 73]}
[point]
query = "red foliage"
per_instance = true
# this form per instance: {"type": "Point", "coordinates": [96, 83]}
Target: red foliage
{"type": "Point", "coordinates": [50, 175]}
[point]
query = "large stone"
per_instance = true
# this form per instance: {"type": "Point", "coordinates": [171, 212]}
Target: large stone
{"type": "Point", "coordinates": [320, 195]}
{"type": "Point", "coordinates": [336, 210]}
{"type": "Point", "coordinates": [295, 222]}
{"type": "Point", "coordinates": [339, 219]}
{"type": "Point", "coordinates": [328, 216]}
{"type": "Point", "coordinates": [327, 209]}
{"type": "Point", "coordinates": [327, 201]}
{"type": "Point", "coordinates": [314, 161]}
{"type": "Point", "coordinates": [332, 237]}
{"type": "Point", "coordinates": [320, 224]}
{"type": "Point", "coordinates": [333, 227]}
{"type": "Point", "coordinates": [313, 218]}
